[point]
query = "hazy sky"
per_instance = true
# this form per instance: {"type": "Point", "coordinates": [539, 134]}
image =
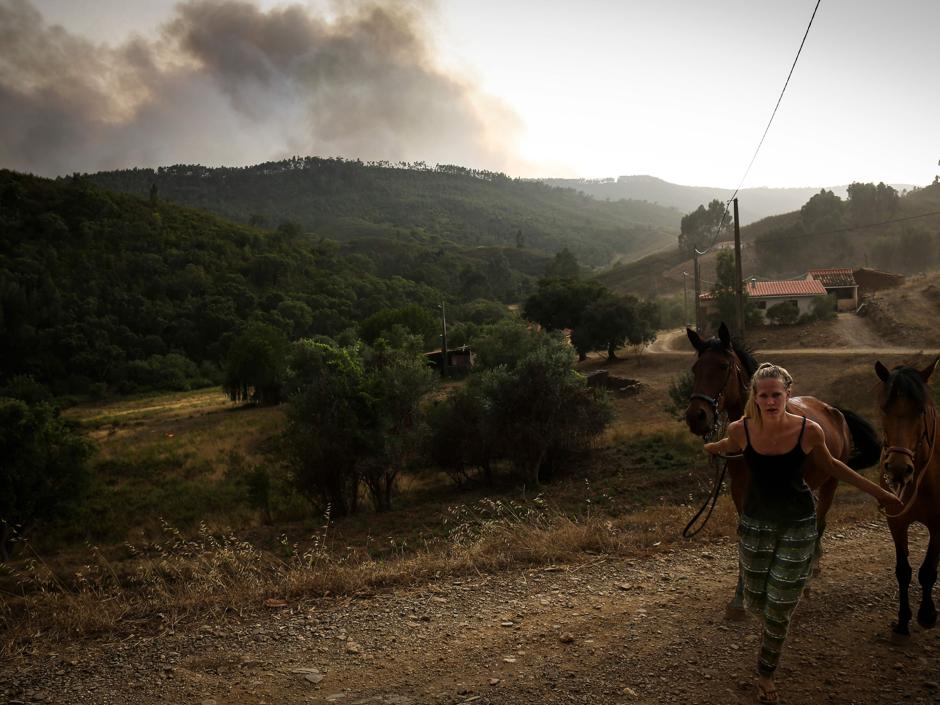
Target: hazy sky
{"type": "Point", "coordinates": [679, 89]}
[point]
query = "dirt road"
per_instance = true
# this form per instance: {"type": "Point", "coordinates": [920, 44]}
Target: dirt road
{"type": "Point", "coordinates": [646, 630]}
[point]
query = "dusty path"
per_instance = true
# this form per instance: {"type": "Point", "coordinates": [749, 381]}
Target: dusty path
{"type": "Point", "coordinates": [857, 337]}
{"type": "Point", "coordinates": [639, 631]}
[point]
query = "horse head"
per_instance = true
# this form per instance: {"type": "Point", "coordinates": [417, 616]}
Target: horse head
{"type": "Point", "coordinates": [717, 381]}
{"type": "Point", "coordinates": [907, 417]}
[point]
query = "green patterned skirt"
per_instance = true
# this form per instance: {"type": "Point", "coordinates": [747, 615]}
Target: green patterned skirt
{"type": "Point", "coordinates": [776, 560]}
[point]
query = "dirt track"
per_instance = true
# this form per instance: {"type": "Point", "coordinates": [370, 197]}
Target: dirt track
{"type": "Point", "coordinates": [649, 630]}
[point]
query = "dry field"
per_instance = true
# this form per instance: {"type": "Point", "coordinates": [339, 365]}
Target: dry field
{"type": "Point", "coordinates": [606, 602]}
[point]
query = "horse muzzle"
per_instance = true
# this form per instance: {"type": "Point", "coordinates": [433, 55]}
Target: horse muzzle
{"type": "Point", "coordinates": [699, 418]}
{"type": "Point", "coordinates": [897, 475]}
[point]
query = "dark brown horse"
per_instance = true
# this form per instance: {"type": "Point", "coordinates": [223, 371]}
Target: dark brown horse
{"type": "Point", "coordinates": [910, 468]}
{"type": "Point", "coordinates": [721, 376]}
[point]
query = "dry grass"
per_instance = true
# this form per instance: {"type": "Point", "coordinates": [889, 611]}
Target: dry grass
{"type": "Point", "coordinates": [186, 580]}
{"type": "Point", "coordinates": [632, 495]}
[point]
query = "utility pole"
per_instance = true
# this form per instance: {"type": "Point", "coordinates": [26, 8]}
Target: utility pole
{"type": "Point", "coordinates": [685, 298]}
{"type": "Point", "coordinates": [698, 291]}
{"type": "Point", "coordinates": [738, 277]}
{"type": "Point", "coordinates": [443, 341]}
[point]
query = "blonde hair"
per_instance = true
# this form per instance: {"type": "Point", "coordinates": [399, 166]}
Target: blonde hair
{"type": "Point", "coordinates": [766, 370]}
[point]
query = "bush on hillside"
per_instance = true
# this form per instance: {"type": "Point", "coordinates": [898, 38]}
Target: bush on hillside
{"type": "Point", "coordinates": [42, 469]}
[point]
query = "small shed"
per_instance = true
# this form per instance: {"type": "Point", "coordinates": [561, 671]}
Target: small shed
{"type": "Point", "coordinates": [871, 280]}
{"type": "Point", "coordinates": [459, 360]}
{"type": "Point", "coordinates": [840, 283]}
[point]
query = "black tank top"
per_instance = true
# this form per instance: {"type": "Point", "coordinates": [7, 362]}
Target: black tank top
{"type": "Point", "coordinates": [776, 490]}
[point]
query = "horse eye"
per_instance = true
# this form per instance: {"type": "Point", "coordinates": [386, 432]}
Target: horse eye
{"type": "Point", "coordinates": [725, 365]}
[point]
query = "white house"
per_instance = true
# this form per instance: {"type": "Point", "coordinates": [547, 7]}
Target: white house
{"type": "Point", "coordinates": [763, 295]}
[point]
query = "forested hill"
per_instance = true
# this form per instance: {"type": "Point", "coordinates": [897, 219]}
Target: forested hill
{"type": "Point", "coordinates": [101, 291]}
{"type": "Point", "coordinates": [344, 200]}
{"type": "Point", "coordinates": [873, 226]}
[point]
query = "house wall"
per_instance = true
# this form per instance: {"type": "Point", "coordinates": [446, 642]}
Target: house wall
{"type": "Point", "coordinates": [804, 303]}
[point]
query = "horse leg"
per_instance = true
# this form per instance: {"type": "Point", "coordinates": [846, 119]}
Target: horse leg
{"type": "Point", "coordinates": [927, 576]}
{"type": "Point", "coordinates": [825, 496]}
{"type": "Point", "coordinates": [902, 571]}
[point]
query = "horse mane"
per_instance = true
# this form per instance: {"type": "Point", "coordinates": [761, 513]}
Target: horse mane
{"type": "Point", "coordinates": [906, 383]}
{"type": "Point", "coordinates": [740, 349]}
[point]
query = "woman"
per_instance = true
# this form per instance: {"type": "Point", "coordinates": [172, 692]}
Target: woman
{"type": "Point", "coordinates": [778, 520]}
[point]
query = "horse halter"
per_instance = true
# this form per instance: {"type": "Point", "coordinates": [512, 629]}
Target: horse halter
{"type": "Point", "coordinates": [715, 402]}
{"type": "Point", "coordinates": [887, 450]}
{"type": "Point", "coordinates": [919, 473]}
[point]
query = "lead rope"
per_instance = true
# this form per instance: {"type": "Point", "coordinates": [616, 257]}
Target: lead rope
{"type": "Point", "coordinates": [712, 499]}
{"type": "Point", "coordinates": [721, 424]}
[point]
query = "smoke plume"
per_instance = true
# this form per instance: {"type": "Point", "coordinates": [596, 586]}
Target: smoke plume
{"type": "Point", "coordinates": [227, 83]}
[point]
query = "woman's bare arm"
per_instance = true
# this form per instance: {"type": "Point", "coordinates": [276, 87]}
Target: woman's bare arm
{"type": "Point", "coordinates": [730, 444]}
{"type": "Point", "coordinates": [815, 441]}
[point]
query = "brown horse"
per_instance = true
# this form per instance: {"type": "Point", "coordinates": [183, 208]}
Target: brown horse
{"type": "Point", "coordinates": [910, 468]}
{"type": "Point", "coordinates": [721, 377]}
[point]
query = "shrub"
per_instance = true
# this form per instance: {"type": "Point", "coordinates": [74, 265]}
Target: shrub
{"type": "Point", "coordinates": [42, 468]}
{"type": "Point", "coordinates": [785, 313]}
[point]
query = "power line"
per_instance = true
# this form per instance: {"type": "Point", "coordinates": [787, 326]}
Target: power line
{"type": "Point", "coordinates": [774, 113]}
{"type": "Point", "coordinates": [764, 136]}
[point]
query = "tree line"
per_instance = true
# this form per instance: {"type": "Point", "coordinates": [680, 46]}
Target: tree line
{"type": "Point", "coordinates": [348, 200]}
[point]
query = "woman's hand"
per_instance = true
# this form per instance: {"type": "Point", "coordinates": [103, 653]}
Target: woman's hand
{"type": "Point", "coordinates": [892, 505]}
{"type": "Point", "coordinates": [713, 448]}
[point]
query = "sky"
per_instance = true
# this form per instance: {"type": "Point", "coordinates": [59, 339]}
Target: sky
{"type": "Point", "coordinates": [678, 89]}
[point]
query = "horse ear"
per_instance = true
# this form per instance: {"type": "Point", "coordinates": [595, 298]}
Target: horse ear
{"type": "Point", "coordinates": [928, 370]}
{"type": "Point", "coordinates": [696, 341]}
{"type": "Point", "coordinates": [881, 371]}
{"type": "Point", "coordinates": [724, 335]}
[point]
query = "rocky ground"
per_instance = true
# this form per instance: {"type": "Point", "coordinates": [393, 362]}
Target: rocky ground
{"type": "Point", "coordinates": [634, 631]}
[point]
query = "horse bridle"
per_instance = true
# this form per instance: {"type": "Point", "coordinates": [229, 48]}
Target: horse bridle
{"type": "Point", "coordinates": [717, 431]}
{"type": "Point", "coordinates": [919, 473]}
{"type": "Point", "coordinates": [715, 402]}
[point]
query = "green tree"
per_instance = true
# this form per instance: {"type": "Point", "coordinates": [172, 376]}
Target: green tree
{"type": "Point", "coordinates": [416, 319]}
{"type": "Point", "coordinates": [564, 266]}
{"type": "Point", "coordinates": [613, 321]}
{"type": "Point", "coordinates": [868, 203]}
{"type": "Point", "coordinates": [700, 227]}
{"type": "Point", "coordinates": [822, 212]}
{"type": "Point", "coordinates": [328, 415]}
{"type": "Point", "coordinates": [506, 343]}
{"type": "Point", "coordinates": [396, 381]}
{"type": "Point", "coordinates": [461, 437]}
{"type": "Point", "coordinates": [542, 409]}
{"type": "Point", "coordinates": [255, 367]}
{"type": "Point", "coordinates": [723, 291]}
{"type": "Point", "coordinates": [43, 471]}
{"type": "Point", "coordinates": [560, 303]}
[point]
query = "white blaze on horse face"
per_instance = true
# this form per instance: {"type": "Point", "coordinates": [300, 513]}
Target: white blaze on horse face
{"type": "Point", "coordinates": [771, 397]}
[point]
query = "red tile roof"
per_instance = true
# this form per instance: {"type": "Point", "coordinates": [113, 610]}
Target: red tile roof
{"type": "Point", "coordinates": [798, 287]}
{"type": "Point", "coordinates": [836, 276]}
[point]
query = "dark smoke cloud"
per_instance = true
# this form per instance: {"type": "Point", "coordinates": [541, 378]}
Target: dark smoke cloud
{"type": "Point", "coordinates": [227, 83]}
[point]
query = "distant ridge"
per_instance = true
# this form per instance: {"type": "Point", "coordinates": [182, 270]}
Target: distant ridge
{"type": "Point", "coordinates": [349, 200]}
{"type": "Point", "coordinates": [754, 203]}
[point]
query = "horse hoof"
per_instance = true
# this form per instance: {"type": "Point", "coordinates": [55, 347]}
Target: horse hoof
{"type": "Point", "coordinates": [735, 614]}
{"type": "Point", "coordinates": [928, 620]}
{"type": "Point", "coordinates": [900, 629]}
